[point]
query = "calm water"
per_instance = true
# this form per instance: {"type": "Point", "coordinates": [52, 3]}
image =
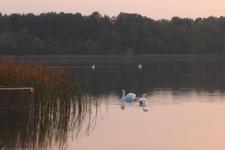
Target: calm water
{"type": "Point", "coordinates": [172, 123]}
{"type": "Point", "coordinates": [186, 109]}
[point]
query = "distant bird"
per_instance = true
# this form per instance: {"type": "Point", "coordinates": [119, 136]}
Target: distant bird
{"type": "Point", "coordinates": [93, 67]}
{"type": "Point", "coordinates": [140, 66]}
{"type": "Point", "coordinates": [129, 98]}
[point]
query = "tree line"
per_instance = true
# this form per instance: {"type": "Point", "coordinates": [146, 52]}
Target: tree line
{"type": "Point", "coordinates": [95, 34]}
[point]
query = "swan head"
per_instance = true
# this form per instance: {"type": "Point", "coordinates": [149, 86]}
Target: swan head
{"type": "Point", "coordinates": [123, 91]}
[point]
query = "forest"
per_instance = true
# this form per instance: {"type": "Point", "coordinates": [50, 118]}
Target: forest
{"type": "Point", "coordinates": [95, 34]}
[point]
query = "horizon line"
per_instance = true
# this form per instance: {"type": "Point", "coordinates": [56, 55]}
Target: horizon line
{"type": "Point", "coordinates": [111, 16]}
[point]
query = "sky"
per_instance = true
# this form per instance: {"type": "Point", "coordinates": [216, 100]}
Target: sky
{"type": "Point", "coordinates": [156, 9]}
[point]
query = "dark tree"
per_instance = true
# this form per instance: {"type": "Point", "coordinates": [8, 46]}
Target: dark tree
{"type": "Point", "coordinates": [126, 34]}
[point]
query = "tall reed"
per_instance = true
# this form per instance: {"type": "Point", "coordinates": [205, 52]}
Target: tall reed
{"type": "Point", "coordinates": [59, 106]}
{"type": "Point", "coordinates": [46, 82]}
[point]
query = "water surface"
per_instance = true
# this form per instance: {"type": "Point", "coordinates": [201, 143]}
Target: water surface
{"type": "Point", "coordinates": [186, 109]}
{"type": "Point", "coordinates": [195, 121]}
{"type": "Point", "coordinates": [186, 106]}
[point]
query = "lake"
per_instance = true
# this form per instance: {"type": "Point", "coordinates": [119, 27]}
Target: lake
{"type": "Point", "coordinates": [185, 103]}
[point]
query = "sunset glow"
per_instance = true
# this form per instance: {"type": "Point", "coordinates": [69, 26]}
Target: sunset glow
{"type": "Point", "coordinates": [156, 9]}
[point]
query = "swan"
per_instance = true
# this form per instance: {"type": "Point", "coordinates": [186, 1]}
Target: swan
{"type": "Point", "coordinates": [140, 66]}
{"type": "Point", "coordinates": [142, 100]}
{"type": "Point", "coordinates": [128, 99]}
{"type": "Point", "coordinates": [93, 67]}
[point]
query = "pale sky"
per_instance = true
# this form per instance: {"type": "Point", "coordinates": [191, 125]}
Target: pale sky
{"type": "Point", "coordinates": [156, 9]}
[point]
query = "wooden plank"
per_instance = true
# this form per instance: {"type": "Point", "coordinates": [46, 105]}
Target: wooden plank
{"type": "Point", "coordinates": [16, 88]}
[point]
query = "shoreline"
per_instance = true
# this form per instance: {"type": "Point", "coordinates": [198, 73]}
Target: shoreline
{"type": "Point", "coordinates": [111, 59]}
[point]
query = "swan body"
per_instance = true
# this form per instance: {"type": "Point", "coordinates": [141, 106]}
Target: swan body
{"type": "Point", "coordinates": [140, 66]}
{"type": "Point", "coordinates": [130, 97]}
{"type": "Point", "coordinates": [93, 67]}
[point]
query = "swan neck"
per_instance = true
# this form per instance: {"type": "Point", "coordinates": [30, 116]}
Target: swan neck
{"type": "Point", "coordinates": [123, 94]}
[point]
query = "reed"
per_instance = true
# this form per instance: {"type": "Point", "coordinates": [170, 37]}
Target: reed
{"type": "Point", "coordinates": [46, 82]}
{"type": "Point", "coordinates": [60, 107]}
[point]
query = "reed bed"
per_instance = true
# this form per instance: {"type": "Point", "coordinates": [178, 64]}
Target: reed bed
{"type": "Point", "coordinates": [46, 82]}
{"type": "Point", "coordinates": [60, 106]}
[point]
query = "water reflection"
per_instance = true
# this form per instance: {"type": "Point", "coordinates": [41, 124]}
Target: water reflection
{"type": "Point", "coordinates": [24, 125]}
{"type": "Point", "coordinates": [57, 125]}
{"type": "Point", "coordinates": [53, 122]}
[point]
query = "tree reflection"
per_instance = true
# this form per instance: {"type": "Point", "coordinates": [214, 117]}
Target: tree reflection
{"type": "Point", "coordinates": [44, 123]}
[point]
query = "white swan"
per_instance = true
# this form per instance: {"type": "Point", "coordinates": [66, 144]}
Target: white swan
{"type": "Point", "coordinates": [129, 98]}
{"type": "Point", "coordinates": [143, 102]}
{"type": "Point", "coordinates": [93, 67]}
{"type": "Point", "coordinates": [140, 66]}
